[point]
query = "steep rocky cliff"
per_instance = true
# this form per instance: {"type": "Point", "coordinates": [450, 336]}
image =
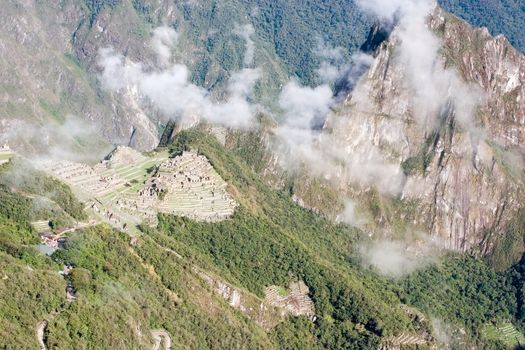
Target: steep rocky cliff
{"type": "Point", "coordinates": [46, 76]}
{"type": "Point", "coordinates": [449, 154]}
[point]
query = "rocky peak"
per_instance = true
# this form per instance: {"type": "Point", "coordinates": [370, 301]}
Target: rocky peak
{"type": "Point", "coordinates": [460, 153]}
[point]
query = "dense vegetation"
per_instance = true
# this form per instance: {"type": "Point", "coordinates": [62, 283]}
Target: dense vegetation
{"type": "Point", "coordinates": [15, 218]}
{"type": "Point", "coordinates": [30, 288]}
{"type": "Point", "coordinates": [21, 176]}
{"type": "Point", "coordinates": [295, 27]}
{"type": "Point", "coordinates": [119, 297]}
{"type": "Point", "coordinates": [516, 277]}
{"type": "Point", "coordinates": [28, 294]}
{"type": "Point", "coordinates": [125, 290]}
{"type": "Point", "coordinates": [500, 17]}
{"type": "Point", "coordinates": [461, 290]}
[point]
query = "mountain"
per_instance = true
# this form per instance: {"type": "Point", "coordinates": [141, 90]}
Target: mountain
{"type": "Point", "coordinates": [59, 79]}
{"type": "Point", "coordinates": [456, 177]}
{"type": "Point", "coordinates": [49, 85]}
{"type": "Point", "coordinates": [258, 174]}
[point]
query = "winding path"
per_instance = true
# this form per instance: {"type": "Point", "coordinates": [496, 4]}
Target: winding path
{"type": "Point", "coordinates": [158, 334]}
{"type": "Point", "coordinates": [40, 328]}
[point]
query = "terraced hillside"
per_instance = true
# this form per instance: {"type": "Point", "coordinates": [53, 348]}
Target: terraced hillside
{"type": "Point", "coordinates": [130, 188]}
{"type": "Point", "coordinates": [187, 185]}
{"type": "Point", "coordinates": [505, 332]}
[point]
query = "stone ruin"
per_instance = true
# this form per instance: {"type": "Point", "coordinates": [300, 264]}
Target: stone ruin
{"type": "Point", "coordinates": [122, 191]}
{"type": "Point", "coordinates": [295, 302]}
{"type": "Point", "coordinates": [5, 153]}
{"type": "Point", "coordinates": [273, 309]}
{"type": "Point", "coordinates": [187, 185]}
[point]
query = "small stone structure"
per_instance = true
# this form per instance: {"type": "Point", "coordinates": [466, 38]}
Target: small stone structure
{"type": "Point", "coordinates": [5, 154]}
{"type": "Point", "coordinates": [296, 301]}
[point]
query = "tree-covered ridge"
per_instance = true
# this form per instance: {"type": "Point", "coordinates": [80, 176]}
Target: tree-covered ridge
{"type": "Point", "coordinates": [295, 27]}
{"type": "Point", "coordinates": [126, 288]}
{"type": "Point", "coordinates": [505, 17]}
{"type": "Point", "coordinates": [463, 291]}
{"type": "Point", "coordinates": [288, 32]}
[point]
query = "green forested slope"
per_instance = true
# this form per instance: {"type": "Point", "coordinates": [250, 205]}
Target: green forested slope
{"type": "Point", "coordinates": [505, 17]}
{"type": "Point", "coordinates": [123, 290]}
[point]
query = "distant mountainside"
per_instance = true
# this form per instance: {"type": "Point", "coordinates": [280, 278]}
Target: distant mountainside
{"type": "Point", "coordinates": [388, 216]}
{"type": "Point", "coordinates": [505, 17]}
{"type": "Point", "coordinates": [48, 86]}
{"type": "Point", "coordinates": [290, 29]}
{"type": "Point", "coordinates": [286, 42]}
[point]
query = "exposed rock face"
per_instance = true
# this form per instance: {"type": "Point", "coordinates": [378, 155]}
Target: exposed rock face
{"type": "Point", "coordinates": [466, 177]}
{"type": "Point", "coordinates": [43, 81]}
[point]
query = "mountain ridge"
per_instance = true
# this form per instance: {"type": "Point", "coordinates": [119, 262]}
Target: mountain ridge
{"type": "Point", "coordinates": [387, 216]}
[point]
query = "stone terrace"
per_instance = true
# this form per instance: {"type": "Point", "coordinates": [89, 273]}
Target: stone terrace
{"type": "Point", "coordinates": [129, 188]}
{"type": "Point", "coordinates": [295, 301]}
{"type": "Point", "coordinates": [190, 187]}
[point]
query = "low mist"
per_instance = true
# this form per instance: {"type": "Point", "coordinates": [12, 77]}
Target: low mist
{"type": "Point", "coordinates": [169, 89]}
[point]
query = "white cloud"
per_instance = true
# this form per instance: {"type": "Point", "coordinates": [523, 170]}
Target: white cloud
{"type": "Point", "coordinates": [163, 41]}
{"type": "Point", "coordinates": [332, 64]}
{"type": "Point", "coordinates": [397, 258]}
{"type": "Point", "coordinates": [75, 139]}
{"type": "Point", "coordinates": [172, 93]}
{"type": "Point", "coordinates": [246, 31]}
{"type": "Point", "coordinates": [303, 104]}
{"type": "Point", "coordinates": [303, 143]}
{"type": "Point", "coordinates": [388, 9]}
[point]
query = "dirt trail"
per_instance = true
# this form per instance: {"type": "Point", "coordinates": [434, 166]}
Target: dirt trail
{"type": "Point", "coordinates": [77, 226]}
{"type": "Point", "coordinates": [40, 328]}
{"type": "Point", "coordinates": [158, 335]}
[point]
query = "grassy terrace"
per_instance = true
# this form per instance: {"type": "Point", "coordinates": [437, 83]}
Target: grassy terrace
{"type": "Point", "coordinates": [190, 187]}
{"type": "Point", "coordinates": [126, 177]}
{"type": "Point", "coordinates": [505, 332]}
{"type": "Point", "coordinates": [134, 174]}
{"type": "Point", "coordinates": [5, 156]}
{"type": "Point", "coordinates": [41, 225]}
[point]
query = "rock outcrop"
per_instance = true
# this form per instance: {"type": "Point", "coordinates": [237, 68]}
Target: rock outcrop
{"type": "Point", "coordinates": [455, 169]}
